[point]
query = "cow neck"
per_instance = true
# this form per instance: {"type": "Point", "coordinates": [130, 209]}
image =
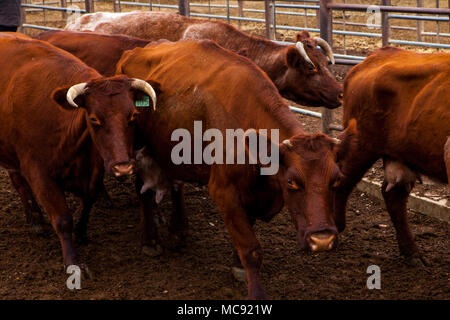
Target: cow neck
{"type": "Point", "coordinates": [263, 52]}
{"type": "Point", "coordinates": [278, 116]}
{"type": "Point", "coordinates": [76, 134]}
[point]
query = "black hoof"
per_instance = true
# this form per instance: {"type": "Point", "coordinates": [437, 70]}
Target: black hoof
{"type": "Point", "coordinates": [152, 250]}
{"type": "Point", "coordinates": [416, 261]}
{"type": "Point", "coordinates": [239, 274]}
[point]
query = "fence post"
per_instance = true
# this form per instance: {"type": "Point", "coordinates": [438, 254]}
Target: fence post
{"type": "Point", "coordinates": [269, 7]}
{"type": "Point", "coordinates": [64, 13]}
{"type": "Point", "coordinates": [326, 32]}
{"type": "Point", "coordinates": [89, 4]}
{"type": "Point", "coordinates": [385, 25]}
{"type": "Point", "coordinates": [241, 11]}
{"type": "Point", "coordinates": [22, 18]}
{"type": "Point", "coordinates": [183, 7]}
{"type": "Point", "coordinates": [419, 22]}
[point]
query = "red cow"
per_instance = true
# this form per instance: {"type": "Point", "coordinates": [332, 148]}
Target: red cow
{"type": "Point", "coordinates": [97, 50]}
{"type": "Point", "coordinates": [223, 91]}
{"type": "Point", "coordinates": [401, 101]}
{"type": "Point", "coordinates": [300, 71]}
{"type": "Point", "coordinates": [61, 125]}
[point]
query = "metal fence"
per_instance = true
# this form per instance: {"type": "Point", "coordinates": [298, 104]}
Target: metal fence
{"type": "Point", "coordinates": [330, 19]}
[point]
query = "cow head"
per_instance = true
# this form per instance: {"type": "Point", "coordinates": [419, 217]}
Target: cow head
{"type": "Point", "coordinates": [307, 79]}
{"type": "Point", "coordinates": [308, 176]}
{"type": "Point", "coordinates": [110, 111]}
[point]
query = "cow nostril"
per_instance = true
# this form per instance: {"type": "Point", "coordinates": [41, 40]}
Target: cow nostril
{"type": "Point", "coordinates": [340, 95]}
{"type": "Point", "coordinates": [321, 241]}
{"type": "Point", "coordinates": [123, 169]}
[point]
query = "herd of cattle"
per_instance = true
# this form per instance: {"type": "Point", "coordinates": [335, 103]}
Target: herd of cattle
{"type": "Point", "coordinates": [68, 115]}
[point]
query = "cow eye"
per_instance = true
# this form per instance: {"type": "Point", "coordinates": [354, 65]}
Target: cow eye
{"type": "Point", "coordinates": [133, 116]}
{"type": "Point", "coordinates": [336, 181]}
{"type": "Point", "coordinates": [94, 121]}
{"type": "Point", "coordinates": [292, 185]}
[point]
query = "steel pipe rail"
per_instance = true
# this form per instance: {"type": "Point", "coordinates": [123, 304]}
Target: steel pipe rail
{"type": "Point", "coordinates": [34, 26]}
{"type": "Point", "coordinates": [361, 7]}
{"type": "Point", "coordinates": [53, 8]}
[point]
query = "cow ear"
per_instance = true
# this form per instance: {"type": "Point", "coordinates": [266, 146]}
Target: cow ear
{"type": "Point", "coordinates": [292, 57]}
{"type": "Point", "coordinates": [348, 141]}
{"type": "Point", "coordinates": [243, 52]}
{"type": "Point", "coordinates": [302, 36]}
{"type": "Point", "coordinates": [59, 95]}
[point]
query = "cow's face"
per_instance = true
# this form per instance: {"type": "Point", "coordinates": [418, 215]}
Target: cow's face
{"type": "Point", "coordinates": [307, 79]}
{"type": "Point", "coordinates": [308, 176]}
{"type": "Point", "coordinates": [110, 113]}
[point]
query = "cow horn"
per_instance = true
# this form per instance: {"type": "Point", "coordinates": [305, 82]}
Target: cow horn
{"type": "Point", "coordinates": [288, 143]}
{"type": "Point", "coordinates": [326, 47]}
{"type": "Point", "coordinates": [336, 141]}
{"type": "Point", "coordinates": [74, 91]}
{"type": "Point", "coordinates": [301, 50]}
{"type": "Point", "coordinates": [145, 87]}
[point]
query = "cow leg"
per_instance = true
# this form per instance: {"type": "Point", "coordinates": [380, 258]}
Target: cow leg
{"type": "Point", "coordinates": [53, 201]}
{"type": "Point", "coordinates": [178, 226]}
{"type": "Point", "coordinates": [243, 236]}
{"type": "Point", "coordinates": [353, 168]}
{"type": "Point", "coordinates": [32, 211]}
{"type": "Point", "coordinates": [238, 269]}
{"type": "Point", "coordinates": [396, 200]}
{"type": "Point", "coordinates": [83, 219]}
{"type": "Point", "coordinates": [151, 244]}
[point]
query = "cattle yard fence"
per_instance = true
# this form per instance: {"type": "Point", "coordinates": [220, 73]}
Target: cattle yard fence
{"type": "Point", "coordinates": [325, 17]}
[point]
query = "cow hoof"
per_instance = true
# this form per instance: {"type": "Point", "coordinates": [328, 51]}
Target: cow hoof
{"type": "Point", "coordinates": [38, 229]}
{"type": "Point", "coordinates": [417, 261]}
{"type": "Point", "coordinates": [239, 274]}
{"type": "Point", "coordinates": [179, 242]}
{"type": "Point", "coordinates": [85, 272]}
{"type": "Point", "coordinates": [152, 251]}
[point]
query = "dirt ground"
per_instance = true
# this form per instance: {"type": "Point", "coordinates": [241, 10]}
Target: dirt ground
{"type": "Point", "coordinates": [31, 266]}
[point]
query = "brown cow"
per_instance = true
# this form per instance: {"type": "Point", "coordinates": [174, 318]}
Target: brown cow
{"type": "Point", "coordinates": [401, 101]}
{"type": "Point", "coordinates": [97, 50]}
{"type": "Point", "coordinates": [300, 71]}
{"type": "Point", "coordinates": [61, 125]}
{"type": "Point", "coordinates": [447, 158]}
{"type": "Point", "coordinates": [200, 81]}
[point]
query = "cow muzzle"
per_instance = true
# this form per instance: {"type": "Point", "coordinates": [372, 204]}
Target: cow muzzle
{"type": "Point", "coordinates": [321, 241]}
{"type": "Point", "coordinates": [122, 169]}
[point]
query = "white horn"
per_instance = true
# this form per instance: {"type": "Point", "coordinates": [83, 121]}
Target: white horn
{"type": "Point", "coordinates": [301, 50]}
{"type": "Point", "coordinates": [288, 143]}
{"type": "Point", "coordinates": [336, 141]}
{"type": "Point", "coordinates": [74, 91]}
{"type": "Point", "coordinates": [145, 87]}
{"type": "Point", "coordinates": [326, 47]}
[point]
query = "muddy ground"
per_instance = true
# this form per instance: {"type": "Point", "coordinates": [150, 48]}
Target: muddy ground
{"type": "Point", "coordinates": [31, 266]}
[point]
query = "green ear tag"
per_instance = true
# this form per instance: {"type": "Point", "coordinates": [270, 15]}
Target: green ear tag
{"type": "Point", "coordinates": [143, 102]}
